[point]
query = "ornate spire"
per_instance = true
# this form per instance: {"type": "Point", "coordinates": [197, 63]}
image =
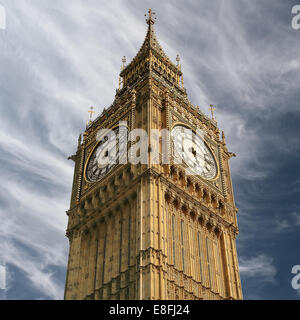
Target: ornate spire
{"type": "Point", "coordinates": [151, 58]}
{"type": "Point", "coordinates": [91, 112]}
{"type": "Point", "coordinates": [123, 62]}
{"type": "Point", "coordinates": [178, 61]}
{"type": "Point", "coordinates": [151, 19]}
{"type": "Point", "coordinates": [223, 138]}
{"type": "Point", "coordinates": [212, 109]}
{"type": "Point", "coordinates": [151, 41]}
{"type": "Point", "coordinates": [150, 44]}
{"type": "Point", "coordinates": [79, 141]}
{"type": "Point", "coordinates": [122, 68]}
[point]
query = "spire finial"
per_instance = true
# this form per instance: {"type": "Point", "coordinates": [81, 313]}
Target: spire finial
{"type": "Point", "coordinates": [212, 109]}
{"type": "Point", "coordinates": [91, 112]}
{"type": "Point", "coordinates": [223, 137]}
{"type": "Point", "coordinates": [151, 19]}
{"type": "Point", "coordinates": [122, 68]}
{"type": "Point", "coordinates": [123, 62]}
{"type": "Point", "coordinates": [178, 60]}
{"type": "Point", "coordinates": [79, 141]}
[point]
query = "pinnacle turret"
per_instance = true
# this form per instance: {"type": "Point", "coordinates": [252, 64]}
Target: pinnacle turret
{"type": "Point", "coordinates": [150, 52]}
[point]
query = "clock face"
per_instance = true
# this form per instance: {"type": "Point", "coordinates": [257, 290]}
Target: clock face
{"type": "Point", "coordinates": [194, 153]}
{"type": "Point", "coordinates": [105, 155]}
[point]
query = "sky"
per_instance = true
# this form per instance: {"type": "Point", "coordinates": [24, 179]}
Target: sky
{"type": "Point", "coordinates": [59, 57]}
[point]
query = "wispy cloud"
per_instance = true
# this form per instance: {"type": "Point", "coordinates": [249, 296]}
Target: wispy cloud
{"type": "Point", "coordinates": [288, 222]}
{"type": "Point", "coordinates": [260, 267]}
{"type": "Point", "coordinates": [258, 272]}
{"type": "Point", "coordinates": [2, 277]}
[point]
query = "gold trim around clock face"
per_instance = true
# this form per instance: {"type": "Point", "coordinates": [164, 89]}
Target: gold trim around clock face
{"type": "Point", "coordinates": [92, 152]}
{"type": "Point", "coordinates": [181, 124]}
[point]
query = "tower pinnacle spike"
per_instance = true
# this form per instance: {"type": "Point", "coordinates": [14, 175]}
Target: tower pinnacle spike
{"type": "Point", "coordinates": [91, 112]}
{"type": "Point", "coordinates": [122, 68]}
{"type": "Point", "coordinates": [150, 18]}
{"type": "Point", "coordinates": [123, 62]}
{"type": "Point", "coordinates": [212, 109]}
{"type": "Point", "coordinates": [178, 59]}
{"type": "Point", "coordinates": [150, 48]}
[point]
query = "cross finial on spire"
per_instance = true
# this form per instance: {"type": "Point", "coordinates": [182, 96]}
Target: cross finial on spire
{"type": "Point", "coordinates": [178, 60]}
{"type": "Point", "coordinates": [212, 109]}
{"type": "Point", "coordinates": [151, 19]}
{"type": "Point", "coordinates": [122, 68]}
{"type": "Point", "coordinates": [91, 112]}
{"type": "Point", "coordinates": [123, 62]}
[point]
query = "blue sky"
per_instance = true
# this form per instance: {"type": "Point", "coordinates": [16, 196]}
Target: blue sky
{"type": "Point", "coordinates": [57, 58]}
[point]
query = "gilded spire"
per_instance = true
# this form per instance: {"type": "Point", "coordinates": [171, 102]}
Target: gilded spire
{"type": "Point", "coordinates": [91, 112]}
{"type": "Point", "coordinates": [179, 78]}
{"type": "Point", "coordinates": [150, 18]}
{"type": "Point", "coordinates": [178, 61]}
{"type": "Point", "coordinates": [150, 42]}
{"type": "Point", "coordinates": [150, 47]}
{"type": "Point", "coordinates": [122, 68]}
{"type": "Point", "coordinates": [123, 62]}
{"type": "Point", "coordinates": [212, 109]}
{"type": "Point", "coordinates": [223, 138]}
{"type": "Point", "coordinates": [79, 141]}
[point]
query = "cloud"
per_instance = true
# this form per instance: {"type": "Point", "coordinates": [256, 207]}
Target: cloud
{"type": "Point", "coordinates": [32, 236]}
{"type": "Point", "coordinates": [289, 222]}
{"type": "Point", "coordinates": [36, 270]}
{"type": "Point", "coordinates": [2, 277]}
{"type": "Point", "coordinates": [258, 274]}
{"type": "Point", "coordinates": [296, 216]}
{"type": "Point", "coordinates": [260, 267]}
{"type": "Point", "coordinates": [2, 18]}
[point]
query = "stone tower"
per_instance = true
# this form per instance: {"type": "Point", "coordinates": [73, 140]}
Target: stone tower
{"type": "Point", "coordinates": [146, 230]}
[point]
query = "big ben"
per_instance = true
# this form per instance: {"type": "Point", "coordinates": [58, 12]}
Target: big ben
{"type": "Point", "coordinates": [141, 223]}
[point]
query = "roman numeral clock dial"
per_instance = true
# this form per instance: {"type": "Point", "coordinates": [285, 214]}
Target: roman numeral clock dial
{"type": "Point", "coordinates": [194, 152]}
{"type": "Point", "coordinates": [105, 156]}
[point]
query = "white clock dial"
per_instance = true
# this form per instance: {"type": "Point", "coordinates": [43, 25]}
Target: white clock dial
{"type": "Point", "coordinates": [105, 156]}
{"type": "Point", "coordinates": [194, 152]}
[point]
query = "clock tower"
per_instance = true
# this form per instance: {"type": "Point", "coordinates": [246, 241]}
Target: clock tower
{"type": "Point", "coordinates": [152, 229]}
